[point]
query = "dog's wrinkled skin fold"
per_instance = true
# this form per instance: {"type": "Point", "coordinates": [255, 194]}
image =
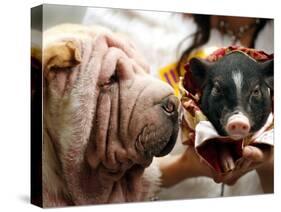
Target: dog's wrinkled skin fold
{"type": "Point", "coordinates": [104, 118]}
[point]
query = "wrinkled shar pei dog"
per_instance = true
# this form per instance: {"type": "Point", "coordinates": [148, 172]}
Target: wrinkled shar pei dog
{"type": "Point", "coordinates": [104, 116]}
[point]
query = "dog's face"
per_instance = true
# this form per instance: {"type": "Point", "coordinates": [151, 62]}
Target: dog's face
{"type": "Point", "coordinates": [103, 112]}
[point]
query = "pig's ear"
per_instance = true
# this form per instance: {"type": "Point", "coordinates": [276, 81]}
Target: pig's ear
{"type": "Point", "coordinates": [199, 69]}
{"type": "Point", "coordinates": [267, 71]}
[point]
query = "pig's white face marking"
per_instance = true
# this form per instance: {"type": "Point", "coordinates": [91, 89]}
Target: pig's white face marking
{"type": "Point", "coordinates": [268, 90]}
{"type": "Point", "coordinates": [237, 77]}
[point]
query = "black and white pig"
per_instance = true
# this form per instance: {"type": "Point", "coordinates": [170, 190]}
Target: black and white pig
{"type": "Point", "coordinates": [236, 93]}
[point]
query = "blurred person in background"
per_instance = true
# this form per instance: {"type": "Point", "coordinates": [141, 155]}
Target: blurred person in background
{"type": "Point", "coordinates": [168, 40]}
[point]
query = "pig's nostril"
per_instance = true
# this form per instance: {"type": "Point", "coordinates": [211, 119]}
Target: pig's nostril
{"type": "Point", "coordinates": [239, 127]}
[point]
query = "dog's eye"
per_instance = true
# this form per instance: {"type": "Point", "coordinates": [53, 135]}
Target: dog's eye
{"type": "Point", "coordinates": [113, 78]}
{"type": "Point", "coordinates": [110, 81]}
{"type": "Point", "coordinates": [169, 107]}
{"type": "Point", "coordinates": [217, 90]}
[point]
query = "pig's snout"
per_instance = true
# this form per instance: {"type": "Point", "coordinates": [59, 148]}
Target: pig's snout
{"type": "Point", "coordinates": [238, 126]}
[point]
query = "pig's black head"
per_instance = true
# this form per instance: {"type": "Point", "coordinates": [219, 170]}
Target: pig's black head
{"type": "Point", "coordinates": [236, 92]}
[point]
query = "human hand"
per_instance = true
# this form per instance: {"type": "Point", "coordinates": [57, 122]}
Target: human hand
{"type": "Point", "coordinates": [253, 157]}
{"type": "Point", "coordinates": [189, 164]}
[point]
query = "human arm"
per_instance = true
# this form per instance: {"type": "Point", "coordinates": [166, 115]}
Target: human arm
{"type": "Point", "coordinates": [177, 168]}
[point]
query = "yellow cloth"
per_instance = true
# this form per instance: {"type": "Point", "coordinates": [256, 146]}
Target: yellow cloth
{"type": "Point", "coordinates": [170, 75]}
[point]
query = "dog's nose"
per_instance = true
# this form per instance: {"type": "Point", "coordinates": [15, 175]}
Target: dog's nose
{"type": "Point", "coordinates": [170, 104]}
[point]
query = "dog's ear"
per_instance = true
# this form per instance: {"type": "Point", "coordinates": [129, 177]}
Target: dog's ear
{"type": "Point", "coordinates": [60, 55]}
{"type": "Point", "coordinates": [58, 60]}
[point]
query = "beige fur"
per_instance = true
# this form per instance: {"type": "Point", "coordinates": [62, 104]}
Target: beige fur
{"type": "Point", "coordinates": [83, 109]}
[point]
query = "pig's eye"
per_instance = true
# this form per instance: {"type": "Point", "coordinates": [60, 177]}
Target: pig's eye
{"type": "Point", "coordinates": [256, 92]}
{"type": "Point", "coordinates": [216, 91]}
